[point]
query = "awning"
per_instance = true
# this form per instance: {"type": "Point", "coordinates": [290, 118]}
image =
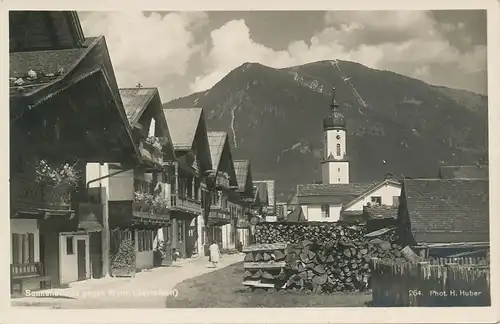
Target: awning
{"type": "Point", "coordinates": [90, 217]}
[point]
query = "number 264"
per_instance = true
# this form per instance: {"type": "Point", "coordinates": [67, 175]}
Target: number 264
{"type": "Point", "coordinates": [414, 293]}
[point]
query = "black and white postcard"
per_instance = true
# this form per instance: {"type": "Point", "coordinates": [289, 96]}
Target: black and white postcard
{"type": "Point", "coordinates": [237, 162]}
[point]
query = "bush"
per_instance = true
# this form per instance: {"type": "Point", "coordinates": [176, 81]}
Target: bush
{"type": "Point", "coordinates": [125, 257]}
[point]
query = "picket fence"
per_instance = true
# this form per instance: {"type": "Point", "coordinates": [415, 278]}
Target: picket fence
{"type": "Point", "coordinates": [432, 283]}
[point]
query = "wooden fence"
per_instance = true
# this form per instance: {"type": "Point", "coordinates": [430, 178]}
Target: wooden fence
{"type": "Point", "coordinates": [437, 282]}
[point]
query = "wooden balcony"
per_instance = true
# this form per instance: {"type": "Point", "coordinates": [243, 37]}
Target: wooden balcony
{"type": "Point", "coordinates": [220, 209]}
{"type": "Point", "coordinates": [186, 204]}
{"type": "Point", "coordinates": [29, 197]}
{"type": "Point", "coordinates": [157, 210]}
{"type": "Point", "coordinates": [219, 217]}
{"type": "Point", "coordinates": [150, 152]}
{"type": "Point", "coordinates": [222, 180]}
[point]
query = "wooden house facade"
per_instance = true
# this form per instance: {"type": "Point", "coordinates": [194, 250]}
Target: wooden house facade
{"type": "Point", "coordinates": [189, 189]}
{"type": "Point", "coordinates": [139, 198]}
{"type": "Point", "coordinates": [64, 109]}
{"type": "Point", "coordinates": [221, 225]}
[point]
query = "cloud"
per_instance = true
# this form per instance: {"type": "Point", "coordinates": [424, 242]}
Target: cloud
{"type": "Point", "coordinates": [407, 42]}
{"type": "Point", "coordinates": [147, 49]}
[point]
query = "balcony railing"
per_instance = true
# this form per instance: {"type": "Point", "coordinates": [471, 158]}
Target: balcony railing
{"type": "Point", "coordinates": [219, 217]}
{"type": "Point", "coordinates": [150, 152]}
{"type": "Point", "coordinates": [149, 206]}
{"type": "Point", "coordinates": [186, 204]}
{"type": "Point", "coordinates": [26, 269]}
{"type": "Point", "coordinates": [222, 180]}
{"type": "Point", "coordinates": [32, 197]}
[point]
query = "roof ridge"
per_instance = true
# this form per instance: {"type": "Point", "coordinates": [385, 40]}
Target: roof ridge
{"type": "Point", "coordinates": [141, 88]}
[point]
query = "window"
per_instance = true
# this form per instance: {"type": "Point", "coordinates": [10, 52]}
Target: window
{"type": "Point", "coordinates": [338, 169]}
{"type": "Point", "coordinates": [152, 127]}
{"type": "Point", "coordinates": [325, 211]}
{"type": "Point", "coordinates": [180, 231]}
{"type": "Point", "coordinates": [395, 200]}
{"type": "Point", "coordinates": [142, 185]}
{"type": "Point", "coordinates": [338, 149]}
{"type": "Point", "coordinates": [69, 245]}
{"type": "Point", "coordinates": [145, 240]}
{"type": "Point", "coordinates": [338, 179]}
{"type": "Point", "coordinates": [233, 234]}
{"type": "Point", "coordinates": [376, 200]}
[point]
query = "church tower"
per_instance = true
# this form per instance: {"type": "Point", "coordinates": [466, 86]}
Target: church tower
{"type": "Point", "coordinates": [335, 165]}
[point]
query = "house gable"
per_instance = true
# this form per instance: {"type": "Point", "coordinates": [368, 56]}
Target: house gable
{"type": "Point", "coordinates": [387, 191]}
{"type": "Point", "coordinates": [189, 136]}
{"type": "Point", "coordinates": [220, 151]}
{"type": "Point", "coordinates": [143, 106]}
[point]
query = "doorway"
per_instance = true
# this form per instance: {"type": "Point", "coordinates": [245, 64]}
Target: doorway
{"type": "Point", "coordinates": [95, 249]}
{"type": "Point", "coordinates": [82, 260]}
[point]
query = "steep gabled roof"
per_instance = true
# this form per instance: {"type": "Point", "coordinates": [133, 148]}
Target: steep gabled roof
{"type": "Point", "coordinates": [183, 124]}
{"type": "Point", "coordinates": [135, 101]}
{"type": "Point", "coordinates": [241, 167]}
{"type": "Point", "coordinates": [332, 193]}
{"type": "Point", "coordinates": [219, 149]}
{"type": "Point", "coordinates": [448, 210]}
{"type": "Point", "coordinates": [50, 66]}
{"type": "Point", "coordinates": [463, 172]}
{"type": "Point", "coordinates": [186, 125]}
{"type": "Point", "coordinates": [216, 141]}
{"type": "Point", "coordinates": [296, 215]}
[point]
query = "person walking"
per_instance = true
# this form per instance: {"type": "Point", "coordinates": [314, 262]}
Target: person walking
{"type": "Point", "coordinates": [214, 253]}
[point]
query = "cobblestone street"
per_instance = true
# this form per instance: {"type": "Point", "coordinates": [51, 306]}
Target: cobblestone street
{"type": "Point", "coordinates": [148, 289]}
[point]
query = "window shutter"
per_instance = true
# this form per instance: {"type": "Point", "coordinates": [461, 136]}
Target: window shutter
{"type": "Point", "coordinates": [31, 245]}
{"type": "Point", "coordinates": [15, 248]}
{"type": "Point", "coordinates": [24, 250]}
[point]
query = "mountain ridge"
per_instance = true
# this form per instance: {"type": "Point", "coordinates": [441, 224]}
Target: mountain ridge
{"type": "Point", "coordinates": [274, 118]}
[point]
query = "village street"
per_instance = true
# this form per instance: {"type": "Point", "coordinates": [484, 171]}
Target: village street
{"type": "Point", "coordinates": [148, 289]}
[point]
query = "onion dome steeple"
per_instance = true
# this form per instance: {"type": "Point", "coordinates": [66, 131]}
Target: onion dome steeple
{"type": "Point", "coordinates": [335, 119]}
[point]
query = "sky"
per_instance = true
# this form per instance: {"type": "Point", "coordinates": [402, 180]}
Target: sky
{"type": "Point", "coordinates": [185, 52]}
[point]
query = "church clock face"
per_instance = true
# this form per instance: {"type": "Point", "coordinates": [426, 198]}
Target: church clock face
{"type": "Point", "coordinates": [338, 137]}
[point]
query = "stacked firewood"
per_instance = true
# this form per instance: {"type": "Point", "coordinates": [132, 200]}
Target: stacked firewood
{"type": "Point", "coordinates": [264, 265]}
{"type": "Point", "coordinates": [319, 257]}
{"type": "Point", "coordinates": [293, 233]}
{"type": "Point", "coordinates": [337, 265]}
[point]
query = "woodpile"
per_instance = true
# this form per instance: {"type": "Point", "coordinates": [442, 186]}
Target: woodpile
{"type": "Point", "coordinates": [318, 257]}
{"type": "Point", "coordinates": [336, 265]}
{"type": "Point", "coordinates": [264, 265]}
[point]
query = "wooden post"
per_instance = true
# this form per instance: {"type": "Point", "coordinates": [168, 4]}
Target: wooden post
{"type": "Point", "coordinates": [451, 285]}
{"type": "Point", "coordinates": [423, 269]}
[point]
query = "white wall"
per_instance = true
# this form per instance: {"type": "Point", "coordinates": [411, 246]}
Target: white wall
{"type": "Point", "coordinates": [68, 264]}
{"type": "Point", "coordinates": [335, 172]}
{"type": "Point", "coordinates": [313, 213]}
{"type": "Point", "coordinates": [271, 218]}
{"type": "Point", "coordinates": [201, 225]}
{"type": "Point", "coordinates": [226, 237]}
{"type": "Point", "coordinates": [122, 186]}
{"type": "Point", "coordinates": [25, 226]}
{"type": "Point", "coordinates": [387, 192]}
{"type": "Point", "coordinates": [95, 171]}
{"type": "Point", "coordinates": [331, 137]}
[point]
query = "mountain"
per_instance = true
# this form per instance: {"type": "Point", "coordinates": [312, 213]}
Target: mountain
{"type": "Point", "coordinates": [274, 117]}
